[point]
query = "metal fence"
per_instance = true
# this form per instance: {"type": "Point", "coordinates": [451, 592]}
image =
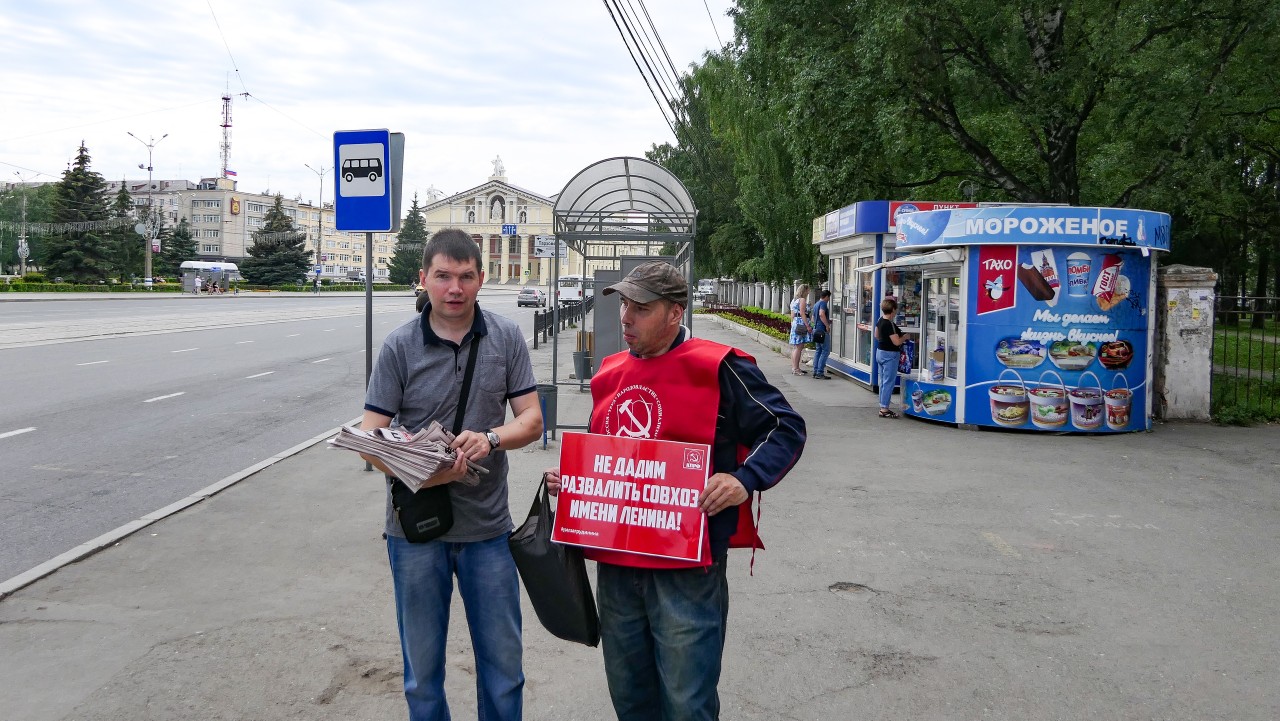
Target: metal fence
{"type": "Point", "coordinates": [1246, 353]}
{"type": "Point", "coordinates": [555, 319]}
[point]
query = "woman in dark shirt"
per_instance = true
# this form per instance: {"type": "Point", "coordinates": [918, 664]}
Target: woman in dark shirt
{"type": "Point", "coordinates": [889, 340]}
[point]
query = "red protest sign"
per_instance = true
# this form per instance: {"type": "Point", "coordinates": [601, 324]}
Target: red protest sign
{"type": "Point", "coordinates": [632, 494]}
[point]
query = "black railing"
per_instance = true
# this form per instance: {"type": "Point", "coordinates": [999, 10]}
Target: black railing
{"type": "Point", "coordinates": [547, 323]}
{"type": "Point", "coordinates": [1246, 354]}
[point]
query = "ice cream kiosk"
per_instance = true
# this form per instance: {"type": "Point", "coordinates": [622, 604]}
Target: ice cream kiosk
{"type": "Point", "coordinates": [1030, 317]}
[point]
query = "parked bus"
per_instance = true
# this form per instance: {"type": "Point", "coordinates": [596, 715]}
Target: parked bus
{"type": "Point", "coordinates": [573, 289]}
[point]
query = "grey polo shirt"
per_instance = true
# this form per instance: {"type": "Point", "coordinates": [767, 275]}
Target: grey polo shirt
{"type": "Point", "coordinates": [418, 378]}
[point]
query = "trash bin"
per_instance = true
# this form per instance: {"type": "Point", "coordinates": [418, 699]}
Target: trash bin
{"type": "Point", "coordinates": [548, 400]}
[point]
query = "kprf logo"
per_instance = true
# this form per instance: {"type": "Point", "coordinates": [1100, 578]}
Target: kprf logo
{"type": "Point", "coordinates": [635, 412]}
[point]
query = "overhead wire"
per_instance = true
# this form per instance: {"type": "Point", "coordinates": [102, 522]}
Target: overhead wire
{"type": "Point", "coordinates": [714, 29]}
{"type": "Point", "coordinates": [669, 83]}
{"type": "Point", "coordinates": [630, 51]}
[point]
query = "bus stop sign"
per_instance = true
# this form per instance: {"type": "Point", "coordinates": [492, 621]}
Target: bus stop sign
{"type": "Point", "coordinates": [368, 165]}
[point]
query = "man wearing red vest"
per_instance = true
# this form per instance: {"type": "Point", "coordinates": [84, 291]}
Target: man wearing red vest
{"type": "Point", "coordinates": [663, 622]}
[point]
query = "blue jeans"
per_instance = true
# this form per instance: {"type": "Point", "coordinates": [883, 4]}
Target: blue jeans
{"type": "Point", "coordinates": [663, 634]}
{"type": "Point", "coordinates": [887, 363]}
{"type": "Point", "coordinates": [423, 576]}
{"type": "Point", "coordinates": [820, 353]}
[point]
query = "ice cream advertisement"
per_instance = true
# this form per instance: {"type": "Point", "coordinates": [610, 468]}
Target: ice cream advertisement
{"type": "Point", "coordinates": [1038, 225]}
{"type": "Point", "coordinates": [1068, 351]}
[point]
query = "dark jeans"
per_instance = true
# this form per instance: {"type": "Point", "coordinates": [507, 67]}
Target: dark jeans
{"type": "Point", "coordinates": [820, 353]}
{"type": "Point", "coordinates": [663, 634]}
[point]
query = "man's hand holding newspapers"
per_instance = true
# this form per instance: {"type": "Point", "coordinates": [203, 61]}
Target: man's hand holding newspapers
{"type": "Point", "coordinates": [417, 459]}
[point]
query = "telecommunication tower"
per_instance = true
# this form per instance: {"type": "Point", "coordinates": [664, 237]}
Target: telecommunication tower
{"type": "Point", "coordinates": [226, 131]}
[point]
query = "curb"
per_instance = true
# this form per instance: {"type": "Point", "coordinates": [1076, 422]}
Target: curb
{"type": "Point", "coordinates": [111, 537]}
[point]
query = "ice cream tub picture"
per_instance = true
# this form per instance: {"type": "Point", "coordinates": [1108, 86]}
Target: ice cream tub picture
{"type": "Point", "coordinates": [1018, 353]}
{"type": "Point", "coordinates": [1119, 404]}
{"type": "Point", "coordinates": [1049, 405]}
{"type": "Point", "coordinates": [1009, 403]}
{"type": "Point", "coordinates": [1072, 356]}
{"type": "Point", "coordinates": [1078, 267]}
{"type": "Point", "coordinates": [1087, 404]}
{"type": "Point", "coordinates": [936, 401]}
{"type": "Point", "coordinates": [917, 400]}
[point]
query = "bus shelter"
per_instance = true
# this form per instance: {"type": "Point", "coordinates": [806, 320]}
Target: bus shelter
{"type": "Point", "coordinates": [221, 273]}
{"type": "Point", "coordinates": [616, 214]}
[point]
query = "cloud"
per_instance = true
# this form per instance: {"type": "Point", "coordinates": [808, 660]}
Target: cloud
{"type": "Point", "coordinates": [549, 86]}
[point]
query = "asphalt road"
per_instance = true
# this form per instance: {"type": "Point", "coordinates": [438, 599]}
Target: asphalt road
{"type": "Point", "coordinates": [115, 409]}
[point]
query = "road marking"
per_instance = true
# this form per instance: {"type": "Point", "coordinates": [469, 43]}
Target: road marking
{"type": "Point", "coordinates": [1000, 545]}
{"type": "Point", "coordinates": [259, 375]}
{"type": "Point", "coordinates": [321, 360]}
{"type": "Point", "coordinates": [184, 350]}
{"type": "Point", "coordinates": [92, 363]}
{"type": "Point", "coordinates": [293, 335]}
{"type": "Point", "coordinates": [242, 342]}
{"type": "Point", "coordinates": [160, 398]}
{"type": "Point", "coordinates": [18, 432]}
{"type": "Point", "coordinates": [329, 330]}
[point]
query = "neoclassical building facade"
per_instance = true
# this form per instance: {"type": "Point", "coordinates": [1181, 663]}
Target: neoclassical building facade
{"type": "Point", "coordinates": [504, 219]}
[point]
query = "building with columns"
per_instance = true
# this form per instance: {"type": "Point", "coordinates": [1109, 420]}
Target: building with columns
{"type": "Point", "coordinates": [504, 219]}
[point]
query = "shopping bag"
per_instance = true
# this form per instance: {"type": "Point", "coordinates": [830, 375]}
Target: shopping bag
{"type": "Point", "coordinates": [554, 576]}
{"type": "Point", "coordinates": [907, 360]}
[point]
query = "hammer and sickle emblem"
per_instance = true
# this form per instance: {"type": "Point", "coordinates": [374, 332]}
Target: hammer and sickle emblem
{"type": "Point", "coordinates": [638, 428]}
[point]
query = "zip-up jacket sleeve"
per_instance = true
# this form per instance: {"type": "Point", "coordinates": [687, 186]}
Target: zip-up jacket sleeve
{"type": "Point", "coordinates": [755, 415]}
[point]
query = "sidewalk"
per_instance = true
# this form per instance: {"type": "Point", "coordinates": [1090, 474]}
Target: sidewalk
{"type": "Point", "coordinates": [914, 571]}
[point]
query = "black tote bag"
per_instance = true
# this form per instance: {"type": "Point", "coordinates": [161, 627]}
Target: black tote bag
{"type": "Point", "coordinates": [554, 576]}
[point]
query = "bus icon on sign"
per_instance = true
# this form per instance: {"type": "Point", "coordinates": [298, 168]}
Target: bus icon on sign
{"type": "Point", "coordinates": [370, 168]}
{"type": "Point", "coordinates": [362, 170]}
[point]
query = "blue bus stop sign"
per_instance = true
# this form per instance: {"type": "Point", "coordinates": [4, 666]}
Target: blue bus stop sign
{"type": "Point", "coordinates": [363, 201]}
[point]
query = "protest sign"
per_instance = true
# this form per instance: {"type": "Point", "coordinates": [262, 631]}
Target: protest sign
{"type": "Point", "coordinates": [632, 494]}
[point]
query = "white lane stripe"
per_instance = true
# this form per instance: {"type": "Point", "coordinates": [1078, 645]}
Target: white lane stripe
{"type": "Point", "coordinates": [160, 398]}
{"type": "Point", "coordinates": [325, 359]}
{"type": "Point", "coordinates": [18, 432]}
{"type": "Point", "coordinates": [293, 335]}
{"type": "Point", "coordinates": [259, 375]}
{"type": "Point", "coordinates": [92, 363]}
{"type": "Point", "coordinates": [242, 342]}
{"type": "Point", "coordinates": [329, 330]}
{"type": "Point", "coordinates": [184, 350]}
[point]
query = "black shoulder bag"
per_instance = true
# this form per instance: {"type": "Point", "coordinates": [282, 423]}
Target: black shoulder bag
{"type": "Point", "coordinates": [428, 514]}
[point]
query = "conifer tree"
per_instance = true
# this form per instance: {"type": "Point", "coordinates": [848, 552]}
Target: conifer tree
{"type": "Point", "coordinates": [126, 249]}
{"type": "Point", "coordinates": [279, 255]}
{"type": "Point", "coordinates": [82, 255]}
{"type": "Point", "coordinates": [407, 260]}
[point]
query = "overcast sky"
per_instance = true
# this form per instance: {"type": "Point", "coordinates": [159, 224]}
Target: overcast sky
{"type": "Point", "coordinates": [548, 86]}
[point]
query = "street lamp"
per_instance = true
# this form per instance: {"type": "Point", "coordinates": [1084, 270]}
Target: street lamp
{"type": "Point", "coordinates": [24, 252]}
{"type": "Point", "coordinates": [320, 214]}
{"type": "Point", "coordinates": [152, 227]}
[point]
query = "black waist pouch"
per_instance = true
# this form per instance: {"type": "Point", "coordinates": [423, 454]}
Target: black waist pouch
{"type": "Point", "coordinates": [425, 515]}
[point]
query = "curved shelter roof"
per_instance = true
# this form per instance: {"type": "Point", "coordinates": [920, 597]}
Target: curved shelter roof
{"type": "Point", "coordinates": [624, 198]}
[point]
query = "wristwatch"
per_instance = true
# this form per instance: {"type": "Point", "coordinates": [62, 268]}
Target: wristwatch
{"type": "Point", "coordinates": [494, 440]}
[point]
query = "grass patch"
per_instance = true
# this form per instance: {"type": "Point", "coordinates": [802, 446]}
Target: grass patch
{"type": "Point", "coordinates": [1244, 401]}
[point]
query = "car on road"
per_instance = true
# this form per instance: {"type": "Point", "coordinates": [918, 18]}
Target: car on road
{"type": "Point", "coordinates": [531, 296]}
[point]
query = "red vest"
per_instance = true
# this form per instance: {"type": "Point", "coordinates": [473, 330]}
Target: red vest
{"type": "Point", "coordinates": [674, 397]}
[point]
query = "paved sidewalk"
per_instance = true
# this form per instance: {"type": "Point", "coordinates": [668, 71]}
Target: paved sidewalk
{"type": "Point", "coordinates": [914, 571]}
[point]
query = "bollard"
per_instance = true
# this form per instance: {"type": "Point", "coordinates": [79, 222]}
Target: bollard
{"type": "Point", "coordinates": [548, 398]}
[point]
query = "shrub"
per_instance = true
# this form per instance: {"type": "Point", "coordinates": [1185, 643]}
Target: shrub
{"type": "Point", "coordinates": [33, 277]}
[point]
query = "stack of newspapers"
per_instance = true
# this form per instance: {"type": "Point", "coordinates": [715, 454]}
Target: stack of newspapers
{"type": "Point", "coordinates": [411, 457]}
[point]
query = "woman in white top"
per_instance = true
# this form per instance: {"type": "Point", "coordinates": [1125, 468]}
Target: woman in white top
{"type": "Point", "coordinates": [799, 316]}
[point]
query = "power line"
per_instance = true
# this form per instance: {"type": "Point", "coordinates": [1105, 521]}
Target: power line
{"type": "Point", "coordinates": [713, 23]}
{"type": "Point", "coordinates": [636, 62]}
{"type": "Point", "coordinates": [226, 45]}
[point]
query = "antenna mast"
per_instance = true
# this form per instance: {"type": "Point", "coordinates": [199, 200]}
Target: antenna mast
{"type": "Point", "coordinates": [226, 129]}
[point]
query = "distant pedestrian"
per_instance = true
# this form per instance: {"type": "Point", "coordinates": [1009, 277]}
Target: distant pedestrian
{"type": "Point", "coordinates": [801, 332]}
{"type": "Point", "coordinates": [197, 283]}
{"type": "Point", "coordinates": [889, 340]}
{"type": "Point", "coordinates": [317, 285]}
{"type": "Point", "coordinates": [821, 334]}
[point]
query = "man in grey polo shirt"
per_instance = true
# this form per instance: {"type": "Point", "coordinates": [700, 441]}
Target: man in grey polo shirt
{"type": "Point", "coordinates": [418, 379]}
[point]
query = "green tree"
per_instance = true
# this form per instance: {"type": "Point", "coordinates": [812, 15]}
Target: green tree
{"type": "Point", "coordinates": [125, 248]}
{"type": "Point", "coordinates": [175, 247]}
{"type": "Point", "coordinates": [278, 255]}
{"type": "Point", "coordinates": [79, 255]}
{"type": "Point", "coordinates": [407, 260]}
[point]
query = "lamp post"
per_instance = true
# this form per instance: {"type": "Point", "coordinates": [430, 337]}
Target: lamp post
{"type": "Point", "coordinates": [152, 227]}
{"type": "Point", "coordinates": [23, 251]}
{"type": "Point", "coordinates": [320, 213]}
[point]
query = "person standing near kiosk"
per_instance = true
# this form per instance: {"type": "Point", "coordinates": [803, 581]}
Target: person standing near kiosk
{"type": "Point", "coordinates": [663, 622]}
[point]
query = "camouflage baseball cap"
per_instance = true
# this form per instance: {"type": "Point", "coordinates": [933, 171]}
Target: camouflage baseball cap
{"type": "Point", "coordinates": [650, 281]}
